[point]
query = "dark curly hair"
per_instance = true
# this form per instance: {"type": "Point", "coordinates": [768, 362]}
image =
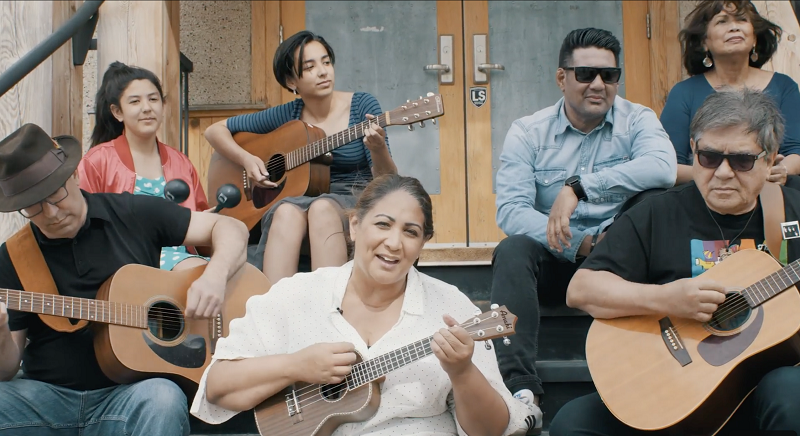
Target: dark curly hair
{"type": "Point", "coordinates": [768, 34]}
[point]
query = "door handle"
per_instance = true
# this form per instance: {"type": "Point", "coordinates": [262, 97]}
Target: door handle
{"type": "Point", "coordinates": [480, 59]}
{"type": "Point", "coordinates": [444, 67]}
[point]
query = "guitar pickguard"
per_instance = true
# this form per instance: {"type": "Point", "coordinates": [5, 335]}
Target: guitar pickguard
{"type": "Point", "coordinates": [719, 350]}
{"type": "Point", "coordinates": [190, 353]}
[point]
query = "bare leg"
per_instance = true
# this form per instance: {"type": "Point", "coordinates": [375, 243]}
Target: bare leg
{"type": "Point", "coordinates": [286, 233]}
{"type": "Point", "coordinates": [189, 262]}
{"type": "Point", "coordinates": [326, 234]}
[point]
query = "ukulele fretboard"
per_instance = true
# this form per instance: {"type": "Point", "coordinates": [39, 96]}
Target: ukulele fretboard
{"type": "Point", "coordinates": [76, 308]}
{"type": "Point", "coordinates": [326, 145]}
{"type": "Point", "coordinates": [375, 368]}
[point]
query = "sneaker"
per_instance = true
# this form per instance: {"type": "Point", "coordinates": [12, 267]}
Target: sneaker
{"type": "Point", "coordinates": [534, 425]}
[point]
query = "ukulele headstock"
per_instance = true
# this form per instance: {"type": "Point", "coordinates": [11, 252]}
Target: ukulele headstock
{"type": "Point", "coordinates": [417, 111]}
{"type": "Point", "coordinates": [495, 323]}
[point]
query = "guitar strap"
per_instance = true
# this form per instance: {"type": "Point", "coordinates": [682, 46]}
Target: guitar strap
{"type": "Point", "coordinates": [35, 276]}
{"type": "Point", "coordinates": [774, 215]}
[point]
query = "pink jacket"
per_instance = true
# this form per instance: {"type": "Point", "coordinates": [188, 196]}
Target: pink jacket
{"type": "Point", "coordinates": [108, 167]}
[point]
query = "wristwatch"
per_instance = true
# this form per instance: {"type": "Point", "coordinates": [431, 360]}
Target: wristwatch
{"type": "Point", "coordinates": [574, 182]}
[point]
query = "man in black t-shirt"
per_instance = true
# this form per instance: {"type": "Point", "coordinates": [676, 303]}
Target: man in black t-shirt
{"type": "Point", "coordinates": [653, 256]}
{"type": "Point", "coordinates": [84, 239]}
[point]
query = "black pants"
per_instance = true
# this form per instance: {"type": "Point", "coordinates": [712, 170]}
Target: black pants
{"type": "Point", "coordinates": [520, 268]}
{"type": "Point", "coordinates": [773, 406]}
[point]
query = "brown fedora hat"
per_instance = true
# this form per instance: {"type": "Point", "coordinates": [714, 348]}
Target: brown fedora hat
{"type": "Point", "coordinates": [33, 166]}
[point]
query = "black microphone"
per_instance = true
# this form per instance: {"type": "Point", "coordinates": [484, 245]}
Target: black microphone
{"type": "Point", "coordinates": [228, 195]}
{"type": "Point", "coordinates": [176, 190]}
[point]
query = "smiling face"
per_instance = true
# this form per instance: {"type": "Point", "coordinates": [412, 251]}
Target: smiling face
{"type": "Point", "coordinates": [318, 75]}
{"type": "Point", "coordinates": [388, 239]}
{"type": "Point", "coordinates": [587, 103]}
{"type": "Point", "coordinates": [727, 191]}
{"type": "Point", "coordinates": [728, 33]}
{"type": "Point", "coordinates": [141, 108]}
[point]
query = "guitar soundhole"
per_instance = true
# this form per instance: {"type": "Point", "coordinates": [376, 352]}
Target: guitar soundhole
{"type": "Point", "coordinates": [276, 167]}
{"type": "Point", "coordinates": [165, 321]}
{"type": "Point", "coordinates": [731, 314]}
{"type": "Point", "coordinates": [334, 392]}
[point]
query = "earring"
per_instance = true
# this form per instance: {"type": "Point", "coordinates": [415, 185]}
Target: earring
{"type": "Point", "coordinates": [294, 91]}
{"type": "Point", "coordinates": [707, 62]}
{"type": "Point", "coordinates": [753, 55]}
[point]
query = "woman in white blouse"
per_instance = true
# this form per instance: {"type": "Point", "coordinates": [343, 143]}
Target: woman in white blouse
{"type": "Point", "coordinates": [307, 327]}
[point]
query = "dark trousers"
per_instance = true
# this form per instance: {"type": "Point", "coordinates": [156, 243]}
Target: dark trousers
{"type": "Point", "coordinates": [520, 267]}
{"type": "Point", "coordinates": [773, 406]}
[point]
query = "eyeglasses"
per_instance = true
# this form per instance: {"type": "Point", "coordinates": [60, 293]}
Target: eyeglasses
{"type": "Point", "coordinates": [588, 74]}
{"type": "Point", "coordinates": [739, 162]}
{"type": "Point", "coordinates": [35, 209]}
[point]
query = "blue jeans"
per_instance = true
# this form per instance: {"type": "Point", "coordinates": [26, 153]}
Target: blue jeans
{"type": "Point", "coordinates": [151, 407]}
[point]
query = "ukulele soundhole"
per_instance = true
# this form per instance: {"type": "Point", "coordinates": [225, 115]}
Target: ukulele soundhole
{"type": "Point", "coordinates": [165, 321]}
{"type": "Point", "coordinates": [276, 167]}
{"type": "Point", "coordinates": [333, 392]}
{"type": "Point", "coordinates": [731, 314]}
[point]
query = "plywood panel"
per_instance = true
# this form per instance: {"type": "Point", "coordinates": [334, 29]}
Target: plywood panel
{"type": "Point", "coordinates": [67, 87]}
{"type": "Point", "coordinates": [293, 20]}
{"type": "Point", "coordinates": [258, 50]}
{"type": "Point", "coordinates": [665, 51]}
{"type": "Point", "coordinates": [636, 46]}
{"type": "Point", "coordinates": [787, 59]}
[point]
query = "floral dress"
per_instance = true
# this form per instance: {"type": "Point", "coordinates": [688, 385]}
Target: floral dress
{"type": "Point", "coordinates": [170, 256]}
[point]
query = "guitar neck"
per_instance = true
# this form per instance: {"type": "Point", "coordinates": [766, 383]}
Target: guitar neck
{"type": "Point", "coordinates": [77, 308]}
{"type": "Point", "coordinates": [316, 149]}
{"type": "Point", "coordinates": [377, 367]}
{"type": "Point", "coordinates": [773, 284]}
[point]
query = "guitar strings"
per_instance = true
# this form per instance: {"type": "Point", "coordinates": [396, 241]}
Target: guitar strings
{"type": "Point", "coordinates": [314, 389]}
{"type": "Point", "coordinates": [276, 166]}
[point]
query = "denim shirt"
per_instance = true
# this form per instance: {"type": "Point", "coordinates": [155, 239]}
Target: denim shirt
{"type": "Point", "coordinates": [627, 153]}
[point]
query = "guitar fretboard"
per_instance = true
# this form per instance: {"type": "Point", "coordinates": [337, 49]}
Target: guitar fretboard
{"type": "Point", "coordinates": [773, 284]}
{"type": "Point", "coordinates": [375, 368]}
{"type": "Point", "coordinates": [76, 308]}
{"type": "Point", "coordinates": [316, 149]}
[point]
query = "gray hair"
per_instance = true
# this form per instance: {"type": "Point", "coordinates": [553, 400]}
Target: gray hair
{"type": "Point", "coordinates": [753, 110]}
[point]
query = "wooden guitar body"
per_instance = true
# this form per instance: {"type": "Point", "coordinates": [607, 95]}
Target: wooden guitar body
{"type": "Point", "coordinates": [634, 366]}
{"type": "Point", "coordinates": [324, 408]}
{"type": "Point", "coordinates": [172, 347]}
{"type": "Point", "coordinates": [310, 178]}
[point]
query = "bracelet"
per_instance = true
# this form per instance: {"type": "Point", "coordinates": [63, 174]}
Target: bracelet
{"type": "Point", "coordinates": [594, 242]}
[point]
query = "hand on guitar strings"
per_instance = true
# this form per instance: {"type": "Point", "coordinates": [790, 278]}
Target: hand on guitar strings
{"type": "Point", "coordinates": [374, 136]}
{"type": "Point", "coordinates": [453, 347]}
{"type": "Point", "coordinates": [257, 172]}
{"type": "Point", "coordinates": [205, 296]}
{"type": "Point", "coordinates": [325, 363]}
{"type": "Point", "coordinates": [558, 231]}
{"type": "Point", "coordinates": [695, 298]}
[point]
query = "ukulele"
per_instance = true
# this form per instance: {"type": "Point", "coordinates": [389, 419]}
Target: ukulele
{"type": "Point", "coordinates": [295, 157]}
{"type": "Point", "coordinates": [304, 409]}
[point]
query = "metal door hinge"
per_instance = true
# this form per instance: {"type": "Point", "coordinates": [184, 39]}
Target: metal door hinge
{"type": "Point", "coordinates": [648, 25]}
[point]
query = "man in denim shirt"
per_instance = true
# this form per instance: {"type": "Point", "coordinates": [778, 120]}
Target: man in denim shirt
{"type": "Point", "coordinates": [565, 173]}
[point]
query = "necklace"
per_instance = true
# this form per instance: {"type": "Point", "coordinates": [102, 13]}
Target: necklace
{"type": "Point", "coordinates": [726, 251]}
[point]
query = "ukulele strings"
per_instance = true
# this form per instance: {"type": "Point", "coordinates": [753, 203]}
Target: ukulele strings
{"type": "Point", "coordinates": [316, 397]}
{"type": "Point", "coordinates": [276, 166]}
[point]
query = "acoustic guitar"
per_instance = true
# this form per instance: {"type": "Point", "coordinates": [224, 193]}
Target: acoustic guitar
{"type": "Point", "coordinates": [311, 409]}
{"type": "Point", "coordinates": [688, 377]}
{"type": "Point", "coordinates": [295, 157]}
{"type": "Point", "coordinates": [140, 329]}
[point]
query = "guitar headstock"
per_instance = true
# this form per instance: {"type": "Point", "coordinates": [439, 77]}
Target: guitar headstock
{"type": "Point", "coordinates": [497, 322]}
{"type": "Point", "coordinates": [425, 108]}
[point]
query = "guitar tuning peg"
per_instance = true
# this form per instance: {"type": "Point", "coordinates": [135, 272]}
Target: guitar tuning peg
{"type": "Point", "coordinates": [411, 127]}
{"type": "Point", "coordinates": [408, 101]}
{"type": "Point", "coordinates": [430, 94]}
{"type": "Point", "coordinates": [494, 306]}
{"type": "Point", "coordinates": [506, 341]}
{"type": "Point", "coordinates": [487, 344]}
{"type": "Point", "coordinates": [434, 121]}
{"type": "Point", "coordinates": [422, 124]}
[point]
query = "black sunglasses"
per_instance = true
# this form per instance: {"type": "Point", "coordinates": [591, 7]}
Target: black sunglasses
{"type": "Point", "coordinates": [738, 162]}
{"type": "Point", "coordinates": [588, 74]}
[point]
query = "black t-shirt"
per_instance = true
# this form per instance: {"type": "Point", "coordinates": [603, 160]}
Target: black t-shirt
{"type": "Point", "coordinates": [671, 236]}
{"type": "Point", "coordinates": [120, 229]}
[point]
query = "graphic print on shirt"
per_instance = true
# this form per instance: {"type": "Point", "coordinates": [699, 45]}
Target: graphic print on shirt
{"type": "Point", "coordinates": [705, 254]}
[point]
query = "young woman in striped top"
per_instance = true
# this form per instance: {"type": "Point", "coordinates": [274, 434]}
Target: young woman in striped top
{"type": "Point", "coordinates": [304, 64]}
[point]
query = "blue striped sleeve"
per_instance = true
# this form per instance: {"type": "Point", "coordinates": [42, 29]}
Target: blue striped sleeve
{"type": "Point", "coordinates": [264, 121]}
{"type": "Point", "coordinates": [368, 104]}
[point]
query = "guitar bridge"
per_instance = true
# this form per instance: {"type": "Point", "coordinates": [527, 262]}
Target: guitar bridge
{"type": "Point", "coordinates": [674, 342]}
{"type": "Point", "coordinates": [293, 406]}
{"type": "Point", "coordinates": [246, 186]}
{"type": "Point", "coordinates": [215, 325]}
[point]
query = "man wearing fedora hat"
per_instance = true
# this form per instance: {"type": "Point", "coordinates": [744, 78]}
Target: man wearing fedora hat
{"type": "Point", "coordinates": [84, 239]}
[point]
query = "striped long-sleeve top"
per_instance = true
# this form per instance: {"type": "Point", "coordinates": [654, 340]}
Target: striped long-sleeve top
{"type": "Point", "coordinates": [352, 162]}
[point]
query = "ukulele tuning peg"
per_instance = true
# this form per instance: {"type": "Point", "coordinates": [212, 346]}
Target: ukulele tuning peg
{"type": "Point", "coordinates": [408, 101]}
{"type": "Point", "coordinates": [422, 124]}
{"type": "Point", "coordinates": [487, 344]}
{"type": "Point", "coordinates": [494, 306]}
{"type": "Point", "coordinates": [420, 97]}
{"type": "Point", "coordinates": [430, 94]}
{"type": "Point", "coordinates": [506, 341]}
{"type": "Point", "coordinates": [434, 121]}
{"type": "Point", "coordinates": [411, 127]}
